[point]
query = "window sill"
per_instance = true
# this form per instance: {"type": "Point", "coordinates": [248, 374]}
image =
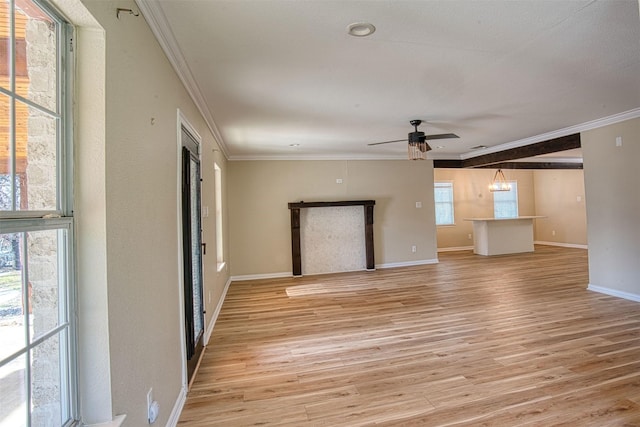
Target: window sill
{"type": "Point", "coordinates": [221, 266]}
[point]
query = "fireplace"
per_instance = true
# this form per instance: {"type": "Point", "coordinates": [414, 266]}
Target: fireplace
{"type": "Point", "coordinates": [296, 255]}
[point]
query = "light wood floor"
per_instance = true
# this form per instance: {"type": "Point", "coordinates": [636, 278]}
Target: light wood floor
{"type": "Point", "coordinates": [477, 341]}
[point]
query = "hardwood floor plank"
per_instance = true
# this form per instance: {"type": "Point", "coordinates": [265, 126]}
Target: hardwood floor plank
{"type": "Point", "coordinates": [513, 340]}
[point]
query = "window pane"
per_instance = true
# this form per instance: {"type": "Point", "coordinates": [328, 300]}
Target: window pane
{"type": "Point", "coordinates": [44, 280]}
{"type": "Point", "coordinates": [444, 214]}
{"type": "Point", "coordinates": [196, 249]}
{"type": "Point", "coordinates": [48, 382]}
{"type": "Point", "coordinates": [505, 203]}
{"type": "Point", "coordinates": [13, 393]}
{"type": "Point", "coordinates": [37, 32]}
{"type": "Point", "coordinates": [5, 45]}
{"type": "Point", "coordinates": [6, 188]}
{"type": "Point", "coordinates": [36, 132]}
{"type": "Point", "coordinates": [12, 312]}
{"type": "Point", "coordinates": [443, 194]}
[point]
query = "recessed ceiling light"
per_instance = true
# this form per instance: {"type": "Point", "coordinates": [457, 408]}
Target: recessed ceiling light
{"type": "Point", "coordinates": [440, 146]}
{"type": "Point", "coordinates": [479, 147]}
{"type": "Point", "coordinates": [361, 29]}
{"type": "Point", "coordinates": [294, 145]}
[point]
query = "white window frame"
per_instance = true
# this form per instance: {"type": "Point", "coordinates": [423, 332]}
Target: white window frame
{"type": "Point", "coordinates": [451, 203]}
{"type": "Point", "coordinates": [508, 198]}
{"type": "Point", "coordinates": [219, 224]}
{"type": "Point", "coordinates": [61, 218]}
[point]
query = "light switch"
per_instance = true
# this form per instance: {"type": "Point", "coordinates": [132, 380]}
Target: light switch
{"type": "Point", "coordinates": [618, 141]}
{"type": "Point", "coordinates": [339, 181]}
{"type": "Point", "coordinates": [418, 205]}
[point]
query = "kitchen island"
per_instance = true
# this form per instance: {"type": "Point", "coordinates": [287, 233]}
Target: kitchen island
{"type": "Point", "coordinates": [497, 236]}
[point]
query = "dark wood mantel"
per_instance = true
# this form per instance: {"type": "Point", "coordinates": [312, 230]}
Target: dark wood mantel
{"type": "Point", "coordinates": [296, 257]}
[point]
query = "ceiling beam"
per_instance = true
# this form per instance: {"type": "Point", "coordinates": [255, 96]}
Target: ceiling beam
{"type": "Point", "coordinates": [554, 145]}
{"type": "Point", "coordinates": [502, 159]}
{"type": "Point", "coordinates": [534, 165]}
{"type": "Point", "coordinates": [448, 164]}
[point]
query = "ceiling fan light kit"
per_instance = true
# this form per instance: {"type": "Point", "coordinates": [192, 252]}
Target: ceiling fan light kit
{"type": "Point", "coordinates": [418, 150]}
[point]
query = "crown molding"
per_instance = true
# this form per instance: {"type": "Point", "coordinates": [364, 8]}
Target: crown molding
{"type": "Point", "coordinates": [583, 127]}
{"type": "Point", "coordinates": [157, 21]}
{"type": "Point", "coordinates": [316, 157]}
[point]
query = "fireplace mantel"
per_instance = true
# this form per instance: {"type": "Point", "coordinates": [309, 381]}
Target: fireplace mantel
{"type": "Point", "coordinates": [295, 207]}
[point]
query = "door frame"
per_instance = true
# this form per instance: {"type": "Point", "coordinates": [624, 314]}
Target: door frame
{"type": "Point", "coordinates": [182, 122]}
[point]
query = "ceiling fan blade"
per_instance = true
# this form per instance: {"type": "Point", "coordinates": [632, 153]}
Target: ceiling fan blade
{"type": "Point", "coordinates": [441, 136]}
{"type": "Point", "coordinates": [388, 142]}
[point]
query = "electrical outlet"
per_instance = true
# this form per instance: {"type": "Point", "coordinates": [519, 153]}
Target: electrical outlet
{"type": "Point", "coordinates": [469, 236]}
{"type": "Point", "coordinates": [414, 248]}
{"type": "Point", "coordinates": [153, 408]}
{"type": "Point", "coordinates": [553, 232]}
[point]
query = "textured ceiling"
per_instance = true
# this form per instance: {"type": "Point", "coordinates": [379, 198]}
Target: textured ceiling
{"type": "Point", "coordinates": [271, 74]}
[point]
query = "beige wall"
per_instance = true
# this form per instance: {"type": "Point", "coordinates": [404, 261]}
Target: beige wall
{"type": "Point", "coordinates": [559, 196]}
{"type": "Point", "coordinates": [260, 222]}
{"type": "Point", "coordinates": [127, 216]}
{"type": "Point", "coordinates": [550, 193]}
{"type": "Point", "coordinates": [472, 199]}
{"type": "Point", "coordinates": [613, 206]}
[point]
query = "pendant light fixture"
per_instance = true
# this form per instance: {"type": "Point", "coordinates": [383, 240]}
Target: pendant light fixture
{"type": "Point", "coordinates": [499, 182]}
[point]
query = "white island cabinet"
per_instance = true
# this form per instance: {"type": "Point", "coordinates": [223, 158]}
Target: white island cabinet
{"type": "Point", "coordinates": [497, 236]}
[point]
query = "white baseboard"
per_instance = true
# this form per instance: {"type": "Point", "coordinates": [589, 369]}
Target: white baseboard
{"type": "Point", "coordinates": [290, 274]}
{"type": "Point", "coordinates": [456, 249]}
{"type": "Point", "coordinates": [260, 276]}
{"type": "Point", "coordinates": [614, 293]}
{"type": "Point", "coordinates": [116, 422]}
{"type": "Point", "coordinates": [563, 245]}
{"type": "Point", "coordinates": [408, 263]}
{"type": "Point", "coordinates": [216, 312]}
{"type": "Point", "coordinates": [177, 408]}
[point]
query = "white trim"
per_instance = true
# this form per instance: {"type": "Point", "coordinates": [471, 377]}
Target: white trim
{"type": "Point", "coordinates": [408, 263]}
{"type": "Point", "coordinates": [456, 249]}
{"type": "Point", "coordinates": [216, 312]}
{"type": "Point", "coordinates": [116, 422]}
{"type": "Point", "coordinates": [593, 124]}
{"type": "Point", "coordinates": [260, 276]}
{"type": "Point", "coordinates": [182, 122]}
{"type": "Point", "coordinates": [614, 293]}
{"type": "Point", "coordinates": [157, 21]}
{"type": "Point", "coordinates": [318, 157]}
{"type": "Point", "coordinates": [563, 245]}
{"type": "Point", "coordinates": [177, 408]}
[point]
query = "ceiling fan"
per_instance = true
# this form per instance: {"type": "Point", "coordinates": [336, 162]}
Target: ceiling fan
{"type": "Point", "coordinates": [418, 146]}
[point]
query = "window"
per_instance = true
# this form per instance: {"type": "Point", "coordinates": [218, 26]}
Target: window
{"type": "Point", "coordinates": [219, 241]}
{"type": "Point", "coordinates": [443, 193]}
{"type": "Point", "coordinates": [36, 227]}
{"type": "Point", "coordinates": [505, 203]}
